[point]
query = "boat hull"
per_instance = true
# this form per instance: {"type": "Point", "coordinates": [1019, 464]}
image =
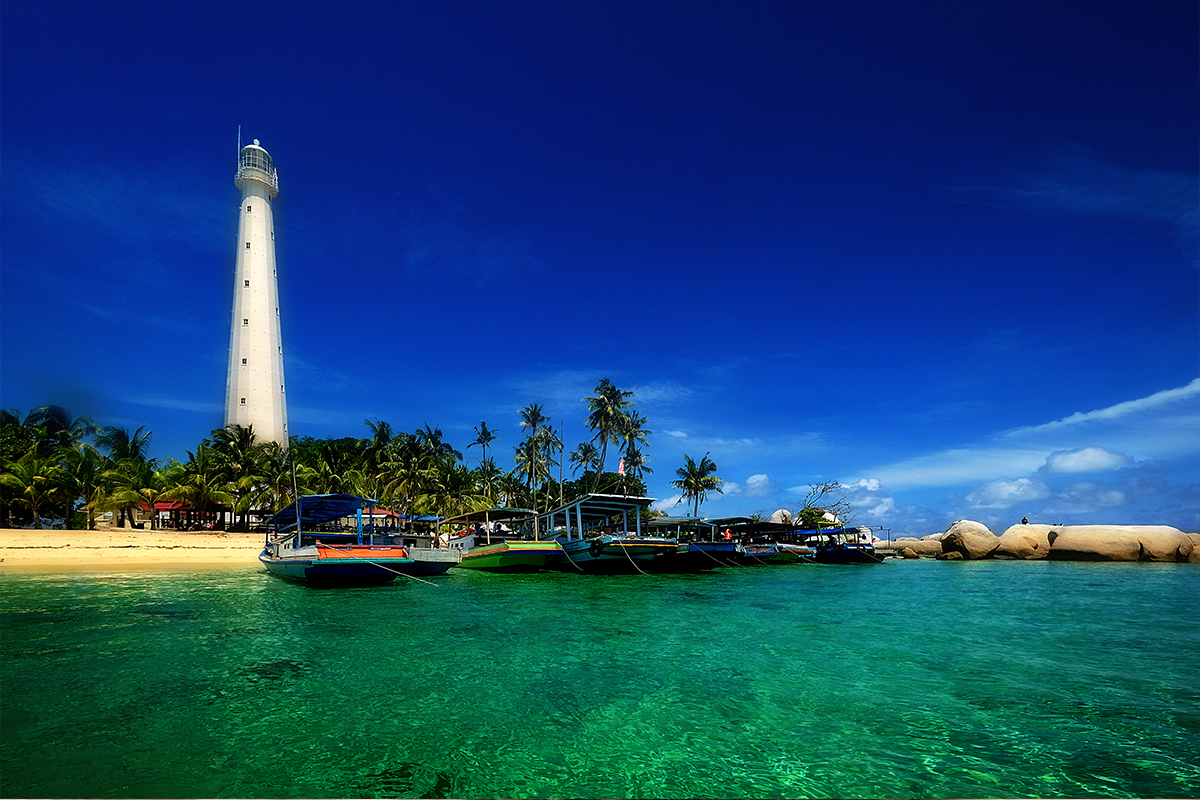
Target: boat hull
{"type": "Point", "coordinates": [514, 556]}
{"type": "Point", "coordinates": [848, 554]}
{"type": "Point", "coordinates": [720, 553]}
{"type": "Point", "coordinates": [355, 565]}
{"type": "Point", "coordinates": [766, 555]}
{"type": "Point", "coordinates": [611, 555]}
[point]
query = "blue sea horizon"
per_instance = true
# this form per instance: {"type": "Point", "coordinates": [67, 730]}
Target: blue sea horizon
{"type": "Point", "coordinates": [929, 679]}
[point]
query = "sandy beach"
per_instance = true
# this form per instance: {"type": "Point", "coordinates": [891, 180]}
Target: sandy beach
{"type": "Point", "coordinates": [116, 548]}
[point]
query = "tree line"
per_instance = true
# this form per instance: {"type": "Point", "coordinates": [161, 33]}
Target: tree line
{"type": "Point", "coordinates": [60, 467]}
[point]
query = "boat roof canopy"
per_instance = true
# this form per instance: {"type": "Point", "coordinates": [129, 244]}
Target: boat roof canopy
{"type": "Point", "coordinates": [317, 509]}
{"type": "Point", "coordinates": [497, 514]}
{"type": "Point", "coordinates": [602, 506]}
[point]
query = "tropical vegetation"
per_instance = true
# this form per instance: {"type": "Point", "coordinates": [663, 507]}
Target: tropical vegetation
{"type": "Point", "coordinates": [67, 471]}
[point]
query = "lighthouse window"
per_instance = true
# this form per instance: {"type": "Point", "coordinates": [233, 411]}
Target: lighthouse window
{"type": "Point", "coordinates": [247, 283]}
{"type": "Point", "coordinates": [243, 401]}
{"type": "Point", "coordinates": [247, 209]}
{"type": "Point", "coordinates": [243, 362]}
{"type": "Point", "coordinates": [245, 321]}
{"type": "Point", "coordinates": [247, 245]}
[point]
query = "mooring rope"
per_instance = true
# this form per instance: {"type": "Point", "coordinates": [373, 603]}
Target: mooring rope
{"type": "Point", "coordinates": [719, 561]}
{"type": "Point", "coordinates": [573, 564]}
{"type": "Point", "coordinates": [377, 564]}
{"type": "Point", "coordinates": [625, 551]}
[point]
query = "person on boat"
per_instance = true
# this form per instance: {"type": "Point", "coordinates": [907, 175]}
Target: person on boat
{"type": "Point", "coordinates": [728, 535]}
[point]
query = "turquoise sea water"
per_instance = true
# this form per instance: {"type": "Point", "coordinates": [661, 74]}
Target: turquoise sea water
{"type": "Point", "coordinates": [927, 679]}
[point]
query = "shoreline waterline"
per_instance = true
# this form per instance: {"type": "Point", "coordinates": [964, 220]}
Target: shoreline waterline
{"type": "Point", "coordinates": [122, 548]}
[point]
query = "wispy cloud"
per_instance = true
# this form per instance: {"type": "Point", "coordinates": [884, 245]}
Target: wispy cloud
{"type": "Point", "coordinates": [112, 197]}
{"type": "Point", "coordinates": [177, 404]}
{"type": "Point", "coordinates": [1158, 400]}
{"type": "Point", "coordinates": [1081, 185]}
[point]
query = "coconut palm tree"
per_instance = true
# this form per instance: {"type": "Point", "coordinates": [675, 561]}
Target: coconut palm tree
{"type": "Point", "coordinates": [86, 481]}
{"type": "Point", "coordinates": [585, 457]}
{"type": "Point", "coordinates": [636, 464]}
{"type": "Point", "coordinates": [241, 458]}
{"type": "Point", "coordinates": [483, 438]}
{"type": "Point", "coordinates": [57, 429]}
{"type": "Point", "coordinates": [201, 482]}
{"type": "Point", "coordinates": [606, 410]}
{"type": "Point", "coordinates": [381, 438]}
{"type": "Point", "coordinates": [138, 483]}
{"type": "Point", "coordinates": [697, 480]}
{"type": "Point", "coordinates": [37, 481]}
{"type": "Point", "coordinates": [487, 476]}
{"type": "Point", "coordinates": [124, 446]}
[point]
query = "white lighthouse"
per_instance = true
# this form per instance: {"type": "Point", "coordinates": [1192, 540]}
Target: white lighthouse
{"type": "Point", "coordinates": [254, 394]}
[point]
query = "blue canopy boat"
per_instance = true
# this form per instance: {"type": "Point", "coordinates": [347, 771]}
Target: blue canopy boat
{"type": "Point", "coordinates": [603, 533]}
{"type": "Point", "coordinates": [842, 546]}
{"type": "Point", "coordinates": [329, 557]}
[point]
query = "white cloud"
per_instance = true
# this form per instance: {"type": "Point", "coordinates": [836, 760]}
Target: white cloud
{"type": "Point", "coordinates": [1003, 493]}
{"type": "Point", "coordinates": [178, 405]}
{"type": "Point", "coordinates": [760, 486]}
{"type": "Point", "coordinates": [1084, 498]}
{"type": "Point", "coordinates": [958, 466]}
{"type": "Point", "coordinates": [660, 393]}
{"type": "Point", "coordinates": [675, 434]}
{"type": "Point", "coordinates": [666, 504]}
{"type": "Point", "coordinates": [1153, 402]}
{"type": "Point", "coordinates": [1085, 459]}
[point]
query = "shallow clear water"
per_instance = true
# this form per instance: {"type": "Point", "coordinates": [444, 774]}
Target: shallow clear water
{"type": "Point", "coordinates": [991, 679]}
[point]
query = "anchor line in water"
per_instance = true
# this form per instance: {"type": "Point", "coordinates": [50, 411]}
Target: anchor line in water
{"type": "Point", "coordinates": [719, 561]}
{"type": "Point", "coordinates": [573, 564]}
{"type": "Point", "coordinates": [631, 561]}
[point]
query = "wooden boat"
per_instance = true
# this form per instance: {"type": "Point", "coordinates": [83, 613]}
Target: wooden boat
{"type": "Point", "coordinates": [604, 534]}
{"type": "Point", "coordinates": [486, 545]}
{"type": "Point", "coordinates": [698, 549]}
{"type": "Point", "coordinates": [846, 547]}
{"type": "Point", "coordinates": [326, 557]}
{"type": "Point", "coordinates": [766, 554]}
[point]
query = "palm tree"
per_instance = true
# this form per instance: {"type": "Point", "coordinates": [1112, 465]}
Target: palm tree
{"type": "Point", "coordinates": [431, 439]}
{"type": "Point", "coordinates": [488, 475]}
{"type": "Point", "coordinates": [532, 417]}
{"type": "Point", "coordinates": [123, 446]}
{"type": "Point", "coordinates": [585, 457]}
{"type": "Point", "coordinates": [201, 482]}
{"type": "Point", "coordinates": [37, 480]}
{"type": "Point", "coordinates": [137, 483]}
{"type": "Point", "coordinates": [483, 438]}
{"type": "Point", "coordinates": [86, 481]}
{"type": "Point", "coordinates": [697, 480]}
{"type": "Point", "coordinates": [57, 429]}
{"type": "Point", "coordinates": [381, 437]}
{"type": "Point", "coordinates": [607, 409]}
{"type": "Point", "coordinates": [635, 464]}
{"type": "Point", "coordinates": [240, 457]}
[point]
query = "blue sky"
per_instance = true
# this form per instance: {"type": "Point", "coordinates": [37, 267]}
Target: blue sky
{"type": "Point", "coordinates": [944, 253]}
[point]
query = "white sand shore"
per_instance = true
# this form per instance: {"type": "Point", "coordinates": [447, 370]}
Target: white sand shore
{"type": "Point", "coordinates": [116, 548]}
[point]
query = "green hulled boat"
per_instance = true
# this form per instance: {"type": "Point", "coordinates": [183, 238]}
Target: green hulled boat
{"type": "Point", "coordinates": [488, 541]}
{"type": "Point", "coordinates": [518, 555]}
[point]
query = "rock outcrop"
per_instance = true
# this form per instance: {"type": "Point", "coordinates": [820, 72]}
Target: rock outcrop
{"type": "Point", "coordinates": [1119, 543]}
{"type": "Point", "coordinates": [971, 541]}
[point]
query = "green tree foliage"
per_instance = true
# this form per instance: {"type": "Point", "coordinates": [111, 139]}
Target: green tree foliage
{"type": "Point", "coordinates": [697, 480]}
{"type": "Point", "coordinates": [606, 413]}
